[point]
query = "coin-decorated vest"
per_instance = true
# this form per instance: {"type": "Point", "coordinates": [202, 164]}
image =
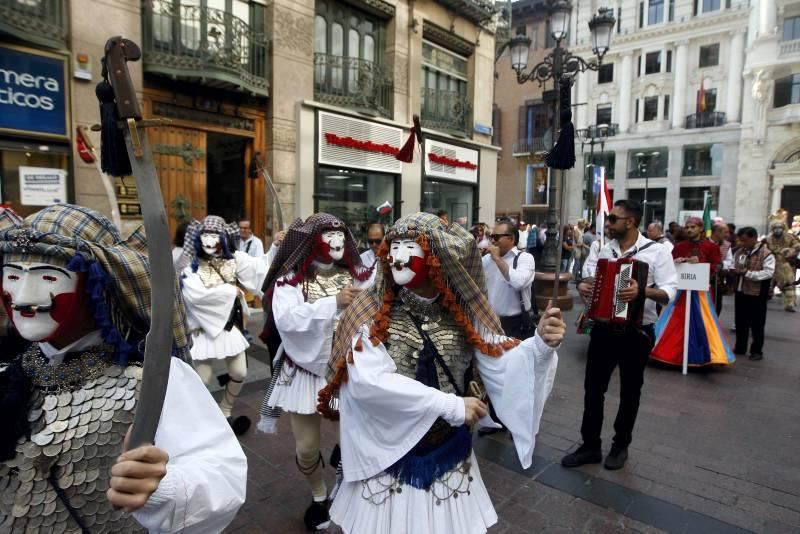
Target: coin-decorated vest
{"type": "Point", "coordinates": [79, 413]}
{"type": "Point", "coordinates": [217, 271]}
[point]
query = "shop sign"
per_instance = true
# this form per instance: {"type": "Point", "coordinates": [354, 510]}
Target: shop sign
{"type": "Point", "coordinates": [33, 92]}
{"type": "Point", "coordinates": [41, 186]}
{"type": "Point", "coordinates": [358, 144]}
{"type": "Point", "coordinates": [443, 160]}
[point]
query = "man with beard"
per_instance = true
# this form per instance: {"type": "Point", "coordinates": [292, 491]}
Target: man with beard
{"type": "Point", "coordinates": [785, 246]}
{"type": "Point", "coordinates": [316, 274]}
{"type": "Point", "coordinates": [627, 347]}
{"type": "Point", "coordinates": [212, 286]}
{"type": "Point", "coordinates": [407, 361]}
{"type": "Point", "coordinates": [80, 295]}
{"type": "Point", "coordinates": [754, 265]}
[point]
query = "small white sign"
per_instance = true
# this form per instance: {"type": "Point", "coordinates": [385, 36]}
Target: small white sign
{"type": "Point", "coordinates": [41, 186]}
{"type": "Point", "coordinates": [693, 276]}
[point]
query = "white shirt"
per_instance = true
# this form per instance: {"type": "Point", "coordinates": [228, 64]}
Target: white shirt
{"type": "Point", "coordinates": [727, 261]}
{"type": "Point", "coordinates": [256, 247]}
{"type": "Point", "coordinates": [523, 240]}
{"type": "Point", "coordinates": [369, 260]}
{"type": "Point", "coordinates": [504, 295]}
{"type": "Point", "coordinates": [206, 478]}
{"type": "Point", "coordinates": [661, 272]}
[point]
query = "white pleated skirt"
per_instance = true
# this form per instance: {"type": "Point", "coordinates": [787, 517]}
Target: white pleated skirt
{"type": "Point", "coordinates": [414, 510]}
{"type": "Point", "coordinates": [205, 347]}
{"type": "Point", "coordinates": [296, 390]}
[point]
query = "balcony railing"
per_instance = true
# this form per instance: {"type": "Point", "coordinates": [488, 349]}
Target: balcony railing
{"type": "Point", "coordinates": [205, 45]}
{"type": "Point", "coordinates": [524, 147]}
{"type": "Point", "coordinates": [705, 119]}
{"type": "Point", "coordinates": [353, 83]}
{"type": "Point", "coordinates": [447, 111]}
{"type": "Point", "coordinates": [789, 48]}
{"type": "Point", "coordinates": [596, 131]}
{"type": "Point", "coordinates": [42, 22]}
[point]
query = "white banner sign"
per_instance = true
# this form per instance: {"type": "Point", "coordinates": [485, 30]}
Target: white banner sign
{"type": "Point", "coordinates": [40, 186]}
{"type": "Point", "coordinates": [693, 276]}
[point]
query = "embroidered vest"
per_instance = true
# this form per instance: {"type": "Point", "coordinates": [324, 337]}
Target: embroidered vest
{"type": "Point", "coordinates": [217, 271]}
{"type": "Point", "coordinates": [753, 261]}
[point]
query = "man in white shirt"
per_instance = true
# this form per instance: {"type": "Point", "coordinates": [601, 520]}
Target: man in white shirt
{"type": "Point", "coordinates": [374, 238]}
{"type": "Point", "coordinates": [509, 276]}
{"type": "Point", "coordinates": [249, 243]}
{"type": "Point", "coordinates": [627, 347]}
{"type": "Point", "coordinates": [522, 242]}
{"type": "Point", "coordinates": [655, 232]}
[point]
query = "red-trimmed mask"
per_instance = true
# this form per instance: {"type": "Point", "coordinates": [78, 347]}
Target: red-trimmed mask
{"type": "Point", "coordinates": [44, 301]}
{"type": "Point", "coordinates": [407, 262]}
{"type": "Point", "coordinates": [330, 246]}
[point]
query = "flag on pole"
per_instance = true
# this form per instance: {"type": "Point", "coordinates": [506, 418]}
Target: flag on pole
{"type": "Point", "coordinates": [701, 97]}
{"type": "Point", "coordinates": [603, 202]}
{"type": "Point", "coordinates": [707, 224]}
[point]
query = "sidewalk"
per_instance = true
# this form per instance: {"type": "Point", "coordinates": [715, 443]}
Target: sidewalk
{"type": "Point", "coordinates": [714, 451]}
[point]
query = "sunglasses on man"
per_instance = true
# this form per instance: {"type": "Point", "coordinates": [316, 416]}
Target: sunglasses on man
{"type": "Point", "coordinates": [614, 218]}
{"type": "Point", "coordinates": [496, 237]}
{"type": "Point", "coordinates": [374, 241]}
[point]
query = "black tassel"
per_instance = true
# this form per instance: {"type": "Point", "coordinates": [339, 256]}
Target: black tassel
{"type": "Point", "coordinates": [113, 154]}
{"type": "Point", "coordinates": [563, 154]}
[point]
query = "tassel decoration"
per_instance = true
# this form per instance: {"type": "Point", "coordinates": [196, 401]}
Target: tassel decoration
{"type": "Point", "coordinates": [113, 154]}
{"type": "Point", "coordinates": [406, 153]}
{"type": "Point", "coordinates": [563, 154]}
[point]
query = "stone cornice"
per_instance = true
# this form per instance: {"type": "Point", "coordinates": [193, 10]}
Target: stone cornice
{"type": "Point", "coordinates": [447, 39]}
{"type": "Point", "coordinates": [378, 8]}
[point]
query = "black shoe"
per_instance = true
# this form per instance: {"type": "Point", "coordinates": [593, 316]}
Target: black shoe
{"type": "Point", "coordinates": [582, 456]}
{"type": "Point", "coordinates": [616, 458]}
{"type": "Point", "coordinates": [316, 514]}
{"type": "Point", "coordinates": [240, 425]}
{"type": "Point", "coordinates": [755, 356]}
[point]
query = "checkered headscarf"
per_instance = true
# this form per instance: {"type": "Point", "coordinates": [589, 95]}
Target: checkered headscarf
{"type": "Point", "coordinates": [85, 240]}
{"type": "Point", "coordinates": [460, 259]}
{"type": "Point", "coordinates": [228, 234]}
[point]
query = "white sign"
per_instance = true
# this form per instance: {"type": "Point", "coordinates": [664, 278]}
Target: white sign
{"type": "Point", "coordinates": [40, 186]}
{"type": "Point", "coordinates": [693, 276]}
{"type": "Point", "coordinates": [465, 162]}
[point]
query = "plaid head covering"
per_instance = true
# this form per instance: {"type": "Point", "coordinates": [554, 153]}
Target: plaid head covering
{"type": "Point", "coordinates": [118, 271]}
{"type": "Point", "coordinates": [228, 235]}
{"type": "Point", "coordinates": [463, 272]}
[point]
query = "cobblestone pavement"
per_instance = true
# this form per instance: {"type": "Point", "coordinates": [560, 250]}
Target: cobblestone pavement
{"type": "Point", "coordinates": [714, 451]}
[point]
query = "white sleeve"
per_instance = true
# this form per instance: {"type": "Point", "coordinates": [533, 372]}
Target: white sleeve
{"type": "Point", "coordinates": [206, 476]}
{"type": "Point", "coordinates": [259, 248]}
{"type": "Point", "coordinates": [250, 272]}
{"type": "Point", "coordinates": [767, 269]}
{"type": "Point", "coordinates": [727, 261]}
{"type": "Point", "coordinates": [522, 276]}
{"type": "Point", "coordinates": [665, 276]}
{"type": "Point", "coordinates": [269, 257]}
{"type": "Point", "coordinates": [207, 308]}
{"type": "Point", "coordinates": [590, 265]}
{"type": "Point", "coordinates": [306, 328]}
{"type": "Point", "coordinates": [518, 384]}
{"type": "Point", "coordinates": [384, 414]}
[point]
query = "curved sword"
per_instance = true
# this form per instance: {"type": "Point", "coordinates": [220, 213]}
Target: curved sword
{"type": "Point", "coordinates": [158, 344]}
{"type": "Point", "coordinates": [271, 185]}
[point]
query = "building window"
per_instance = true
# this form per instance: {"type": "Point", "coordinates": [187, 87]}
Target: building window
{"type": "Point", "coordinates": [639, 66]}
{"type": "Point", "coordinates": [653, 202]}
{"type": "Point", "coordinates": [791, 28]}
{"type": "Point", "coordinates": [702, 160]}
{"type": "Point", "coordinates": [641, 14]}
{"type": "Point", "coordinates": [603, 115]}
{"type": "Point", "coordinates": [496, 118]}
{"type": "Point", "coordinates": [655, 12]}
{"type": "Point", "coordinates": [709, 55]}
{"type": "Point", "coordinates": [652, 63]}
{"type": "Point", "coordinates": [671, 14]}
{"type": "Point", "coordinates": [619, 20]}
{"type": "Point", "coordinates": [707, 101]}
{"type": "Point", "coordinates": [536, 185]}
{"type": "Point", "coordinates": [648, 162]}
{"type": "Point", "coordinates": [666, 107]}
{"type": "Point", "coordinates": [636, 111]}
{"type": "Point", "coordinates": [605, 74]}
{"type": "Point", "coordinates": [669, 60]}
{"type": "Point", "coordinates": [457, 199]}
{"type": "Point", "coordinates": [535, 122]}
{"type": "Point", "coordinates": [604, 159]}
{"type": "Point", "coordinates": [650, 108]}
{"type": "Point", "coordinates": [694, 198]}
{"type": "Point", "coordinates": [787, 91]}
{"type": "Point", "coordinates": [711, 5]}
{"type": "Point", "coordinates": [444, 89]}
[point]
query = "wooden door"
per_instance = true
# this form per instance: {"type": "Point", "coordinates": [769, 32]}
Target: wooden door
{"type": "Point", "coordinates": [179, 155]}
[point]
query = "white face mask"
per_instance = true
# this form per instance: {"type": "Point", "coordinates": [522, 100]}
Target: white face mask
{"type": "Point", "coordinates": [31, 289]}
{"type": "Point", "coordinates": [210, 244]}
{"type": "Point", "coordinates": [335, 241]}
{"type": "Point", "coordinates": [401, 252]}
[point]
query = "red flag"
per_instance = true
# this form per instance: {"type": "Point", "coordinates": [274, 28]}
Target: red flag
{"type": "Point", "coordinates": [406, 153]}
{"type": "Point", "coordinates": [701, 97]}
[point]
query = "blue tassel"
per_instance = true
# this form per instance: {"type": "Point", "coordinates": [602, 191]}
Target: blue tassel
{"type": "Point", "coordinates": [420, 469]}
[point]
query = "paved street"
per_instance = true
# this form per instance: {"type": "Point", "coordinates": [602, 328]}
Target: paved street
{"type": "Point", "coordinates": [715, 451]}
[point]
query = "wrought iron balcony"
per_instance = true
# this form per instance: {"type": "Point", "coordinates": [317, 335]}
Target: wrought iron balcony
{"type": "Point", "coordinates": [525, 147]}
{"type": "Point", "coordinates": [353, 83]}
{"type": "Point", "coordinates": [205, 45]}
{"type": "Point", "coordinates": [447, 111]}
{"type": "Point", "coordinates": [705, 119]}
{"type": "Point", "coordinates": [42, 22]}
{"type": "Point", "coordinates": [596, 131]}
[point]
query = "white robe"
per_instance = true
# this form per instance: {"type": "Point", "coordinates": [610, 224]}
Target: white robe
{"type": "Point", "coordinates": [385, 414]}
{"type": "Point", "coordinates": [208, 309]}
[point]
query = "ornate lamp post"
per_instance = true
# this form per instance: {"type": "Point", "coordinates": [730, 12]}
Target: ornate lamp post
{"type": "Point", "coordinates": [593, 135]}
{"type": "Point", "coordinates": [561, 66]}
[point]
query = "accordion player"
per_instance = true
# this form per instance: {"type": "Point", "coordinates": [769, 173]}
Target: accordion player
{"type": "Point", "coordinates": [611, 276]}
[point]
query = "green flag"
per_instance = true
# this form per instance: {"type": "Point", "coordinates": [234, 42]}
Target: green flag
{"type": "Point", "coordinates": [707, 215]}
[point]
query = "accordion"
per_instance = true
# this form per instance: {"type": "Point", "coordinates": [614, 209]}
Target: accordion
{"type": "Point", "coordinates": [612, 276]}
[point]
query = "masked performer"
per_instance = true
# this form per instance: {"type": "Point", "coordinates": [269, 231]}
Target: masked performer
{"type": "Point", "coordinates": [406, 354]}
{"type": "Point", "coordinates": [707, 342]}
{"type": "Point", "coordinates": [316, 273]}
{"type": "Point", "coordinates": [785, 246]}
{"type": "Point", "coordinates": [217, 311]}
{"type": "Point", "coordinates": [81, 296]}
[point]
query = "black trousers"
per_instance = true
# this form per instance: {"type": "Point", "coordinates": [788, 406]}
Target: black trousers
{"type": "Point", "coordinates": [750, 313]}
{"type": "Point", "coordinates": [609, 348]}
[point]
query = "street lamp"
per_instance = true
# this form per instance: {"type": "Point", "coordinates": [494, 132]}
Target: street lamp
{"type": "Point", "coordinates": [561, 66]}
{"type": "Point", "coordinates": [645, 160]}
{"type": "Point", "coordinates": [593, 135]}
